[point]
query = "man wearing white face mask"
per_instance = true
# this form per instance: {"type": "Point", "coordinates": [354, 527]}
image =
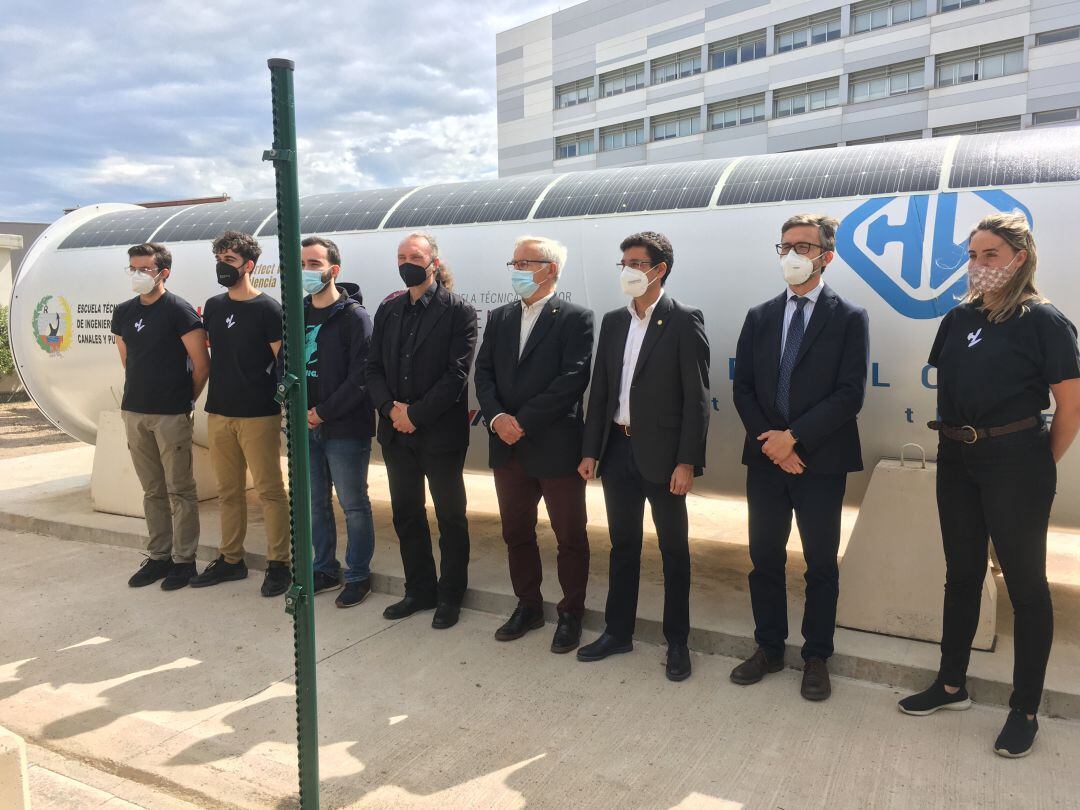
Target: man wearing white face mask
{"type": "Point", "coordinates": [800, 378]}
{"type": "Point", "coordinates": [162, 347]}
{"type": "Point", "coordinates": [645, 440]}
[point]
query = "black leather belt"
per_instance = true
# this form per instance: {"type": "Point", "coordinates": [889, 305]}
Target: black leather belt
{"type": "Point", "coordinates": [969, 435]}
{"type": "Point", "coordinates": [624, 429]}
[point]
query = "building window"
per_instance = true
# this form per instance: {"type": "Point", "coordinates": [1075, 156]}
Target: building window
{"type": "Point", "coordinates": [984, 62]}
{"type": "Point", "coordinates": [893, 80]}
{"type": "Point", "coordinates": [621, 136]}
{"type": "Point", "coordinates": [992, 125]}
{"type": "Point", "coordinates": [737, 112]}
{"type": "Point", "coordinates": [676, 124]}
{"type": "Point", "coordinates": [576, 145]}
{"type": "Point", "coordinates": [567, 95]}
{"type": "Point", "coordinates": [806, 98]}
{"type": "Point", "coordinates": [899, 136]}
{"type": "Point", "coordinates": [622, 81]}
{"type": "Point", "coordinates": [677, 66]}
{"type": "Point", "coordinates": [814, 30]}
{"type": "Point", "coordinates": [737, 49]}
{"type": "Point", "coordinates": [875, 14]}
{"type": "Point", "coordinates": [953, 5]}
{"type": "Point", "coordinates": [1060, 35]}
{"type": "Point", "coordinates": [1068, 115]}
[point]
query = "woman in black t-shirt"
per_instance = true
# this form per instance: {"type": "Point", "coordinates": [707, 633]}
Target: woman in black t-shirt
{"type": "Point", "coordinates": [999, 354]}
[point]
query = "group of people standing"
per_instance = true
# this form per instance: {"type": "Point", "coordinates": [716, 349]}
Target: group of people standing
{"type": "Point", "coordinates": [799, 383]}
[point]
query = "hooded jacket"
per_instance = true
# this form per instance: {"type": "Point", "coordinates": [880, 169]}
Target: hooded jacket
{"type": "Point", "coordinates": [344, 341]}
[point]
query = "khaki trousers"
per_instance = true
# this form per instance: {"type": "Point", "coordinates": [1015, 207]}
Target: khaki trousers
{"type": "Point", "coordinates": [237, 444]}
{"type": "Point", "coordinates": [160, 447]}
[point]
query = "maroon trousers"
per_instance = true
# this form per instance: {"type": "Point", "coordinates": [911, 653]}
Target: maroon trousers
{"type": "Point", "coordinates": [519, 493]}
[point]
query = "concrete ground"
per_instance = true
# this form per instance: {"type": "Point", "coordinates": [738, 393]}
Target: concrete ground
{"type": "Point", "coordinates": [152, 699]}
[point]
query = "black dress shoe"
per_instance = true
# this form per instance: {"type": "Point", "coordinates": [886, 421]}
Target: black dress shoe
{"type": "Point", "coordinates": [678, 663]}
{"type": "Point", "coordinates": [446, 615]}
{"type": "Point", "coordinates": [815, 680]}
{"type": "Point", "coordinates": [567, 634]}
{"type": "Point", "coordinates": [754, 668]}
{"type": "Point", "coordinates": [604, 646]}
{"type": "Point", "coordinates": [407, 607]}
{"type": "Point", "coordinates": [521, 621]}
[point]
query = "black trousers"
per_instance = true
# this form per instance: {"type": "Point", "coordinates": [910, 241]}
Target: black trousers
{"type": "Point", "coordinates": [816, 499]}
{"type": "Point", "coordinates": [406, 468]}
{"type": "Point", "coordinates": [1000, 488]}
{"type": "Point", "coordinates": [625, 493]}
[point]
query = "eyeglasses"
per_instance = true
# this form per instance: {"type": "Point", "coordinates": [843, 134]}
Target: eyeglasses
{"type": "Point", "coordinates": [523, 264]}
{"type": "Point", "coordinates": [636, 264]}
{"type": "Point", "coordinates": [802, 248]}
{"type": "Point", "coordinates": [146, 271]}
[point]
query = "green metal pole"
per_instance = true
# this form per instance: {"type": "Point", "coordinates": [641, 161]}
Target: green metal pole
{"type": "Point", "coordinates": [292, 391]}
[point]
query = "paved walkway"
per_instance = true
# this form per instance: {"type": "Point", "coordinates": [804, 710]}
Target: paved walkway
{"type": "Point", "coordinates": [187, 697]}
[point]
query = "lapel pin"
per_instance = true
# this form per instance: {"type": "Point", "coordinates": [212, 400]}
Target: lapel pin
{"type": "Point", "coordinates": [660, 322]}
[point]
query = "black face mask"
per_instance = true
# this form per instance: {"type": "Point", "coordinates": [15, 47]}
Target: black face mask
{"type": "Point", "coordinates": [227, 275]}
{"type": "Point", "coordinates": [412, 274]}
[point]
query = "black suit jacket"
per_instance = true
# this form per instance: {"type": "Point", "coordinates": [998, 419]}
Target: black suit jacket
{"type": "Point", "coordinates": [828, 383]}
{"type": "Point", "coordinates": [542, 390]}
{"type": "Point", "coordinates": [445, 342]}
{"type": "Point", "coordinates": [669, 395]}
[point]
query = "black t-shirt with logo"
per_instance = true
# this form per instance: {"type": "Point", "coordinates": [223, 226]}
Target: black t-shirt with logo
{"type": "Point", "coordinates": [314, 318]}
{"type": "Point", "coordinates": [243, 369]}
{"type": "Point", "coordinates": [992, 374]}
{"type": "Point", "coordinates": [157, 378]}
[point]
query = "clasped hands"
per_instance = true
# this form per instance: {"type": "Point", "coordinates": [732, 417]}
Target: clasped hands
{"type": "Point", "coordinates": [399, 415]}
{"type": "Point", "coordinates": [507, 428]}
{"type": "Point", "coordinates": [779, 446]}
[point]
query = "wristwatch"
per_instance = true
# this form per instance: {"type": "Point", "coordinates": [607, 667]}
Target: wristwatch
{"type": "Point", "coordinates": [793, 436]}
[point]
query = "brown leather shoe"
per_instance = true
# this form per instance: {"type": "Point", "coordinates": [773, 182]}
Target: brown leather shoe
{"type": "Point", "coordinates": [755, 668]}
{"type": "Point", "coordinates": [815, 680]}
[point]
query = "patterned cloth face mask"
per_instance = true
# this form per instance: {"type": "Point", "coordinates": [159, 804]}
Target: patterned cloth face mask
{"type": "Point", "coordinates": [985, 279]}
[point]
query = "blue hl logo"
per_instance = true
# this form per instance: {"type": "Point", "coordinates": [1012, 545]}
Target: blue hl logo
{"type": "Point", "coordinates": [919, 291]}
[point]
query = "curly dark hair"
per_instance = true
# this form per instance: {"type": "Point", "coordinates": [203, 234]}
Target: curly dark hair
{"type": "Point", "coordinates": [242, 244]}
{"type": "Point", "coordinates": [161, 254]}
{"type": "Point", "coordinates": [658, 246]}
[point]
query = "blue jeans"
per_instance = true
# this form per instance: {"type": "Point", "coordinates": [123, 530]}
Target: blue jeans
{"type": "Point", "coordinates": [343, 465]}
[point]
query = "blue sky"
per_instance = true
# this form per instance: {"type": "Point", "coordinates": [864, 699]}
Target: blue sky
{"type": "Point", "coordinates": [132, 101]}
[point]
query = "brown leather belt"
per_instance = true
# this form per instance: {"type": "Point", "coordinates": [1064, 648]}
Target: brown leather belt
{"type": "Point", "coordinates": [969, 435]}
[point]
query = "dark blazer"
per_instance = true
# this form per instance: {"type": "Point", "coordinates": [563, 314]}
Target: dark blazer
{"type": "Point", "coordinates": [828, 383]}
{"type": "Point", "coordinates": [444, 353]}
{"type": "Point", "coordinates": [669, 395]}
{"type": "Point", "coordinates": [543, 389]}
{"type": "Point", "coordinates": [344, 341]}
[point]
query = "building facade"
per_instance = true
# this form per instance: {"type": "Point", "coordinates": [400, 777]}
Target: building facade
{"type": "Point", "coordinates": [629, 82]}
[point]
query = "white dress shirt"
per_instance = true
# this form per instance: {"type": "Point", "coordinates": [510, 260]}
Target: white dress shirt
{"type": "Point", "coordinates": [789, 312]}
{"type": "Point", "coordinates": [530, 314]}
{"type": "Point", "coordinates": [634, 338]}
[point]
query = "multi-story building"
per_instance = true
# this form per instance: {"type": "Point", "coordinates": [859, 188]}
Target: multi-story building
{"type": "Point", "coordinates": [628, 82]}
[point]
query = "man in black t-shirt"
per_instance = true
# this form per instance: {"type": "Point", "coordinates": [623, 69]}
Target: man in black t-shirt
{"type": "Point", "coordinates": [162, 346]}
{"type": "Point", "coordinates": [244, 326]}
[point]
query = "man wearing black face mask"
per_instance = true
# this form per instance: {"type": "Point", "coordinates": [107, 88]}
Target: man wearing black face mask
{"type": "Point", "coordinates": [418, 378]}
{"type": "Point", "coordinates": [244, 327]}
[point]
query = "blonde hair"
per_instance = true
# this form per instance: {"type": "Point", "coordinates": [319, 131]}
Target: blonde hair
{"type": "Point", "coordinates": [1020, 289]}
{"type": "Point", "coordinates": [549, 250]}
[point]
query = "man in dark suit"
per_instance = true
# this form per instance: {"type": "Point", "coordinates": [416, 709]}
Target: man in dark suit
{"type": "Point", "coordinates": [645, 439]}
{"type": "Point", "coordinates": [418, 379]}
{"type": "Point", "coordinates": [531, 374]}
{"type": "Point", "coordinates": [800, 378]}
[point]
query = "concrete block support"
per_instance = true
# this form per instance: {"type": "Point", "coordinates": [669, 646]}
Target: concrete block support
{"type": "Point", "coordinates": [14, 784]}
{"type": "Point", "coordinates": [892, 578]}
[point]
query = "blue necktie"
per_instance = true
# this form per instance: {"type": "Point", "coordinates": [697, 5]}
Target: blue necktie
{"type": "Point", "coordinates": [787, 362]}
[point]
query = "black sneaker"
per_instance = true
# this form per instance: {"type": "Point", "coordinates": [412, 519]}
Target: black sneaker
{"type": "Point", "coordinates": [1018, 735]}
{"type": "Point", "coordinates": [934, 698]}
{"type": "Point", "coordinates": [354, 594]}
{"type": "Point", "coordinates": [150, 571]}
{"type": "Point", "coordinates": [179, 575]}
{"type": "Point", "coordinates": [219, 571]}
{"type": "Point", "coordinates": [326, 582]}
{"type": "Point", "coordinates": [277, 580]}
